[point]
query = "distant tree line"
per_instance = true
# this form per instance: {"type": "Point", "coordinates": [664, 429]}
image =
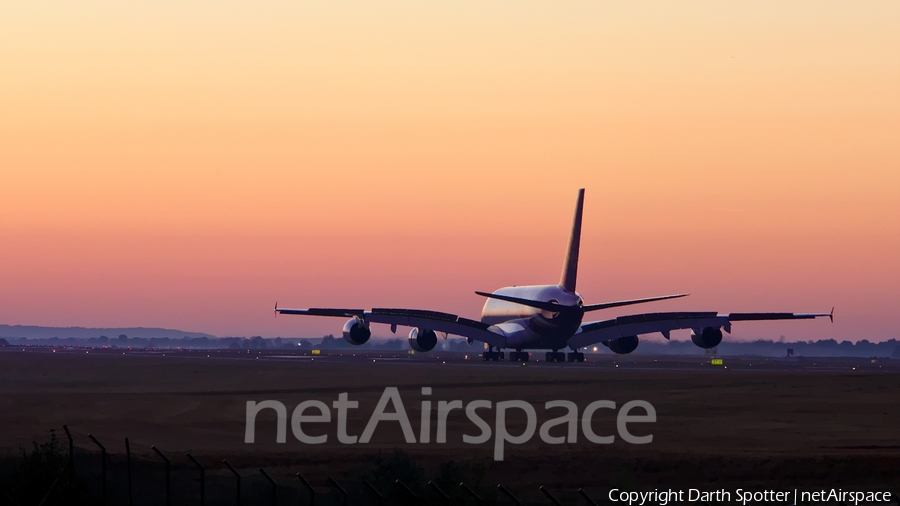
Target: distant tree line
{"type": "Point", "coordinates": [821, 348]}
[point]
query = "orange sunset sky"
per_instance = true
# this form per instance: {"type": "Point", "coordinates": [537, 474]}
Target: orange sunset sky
{"type": "Point", "coordinates": [187, 164]}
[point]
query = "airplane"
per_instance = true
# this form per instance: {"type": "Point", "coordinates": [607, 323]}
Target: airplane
{"type": "Point", "coordinates": [545, 317]}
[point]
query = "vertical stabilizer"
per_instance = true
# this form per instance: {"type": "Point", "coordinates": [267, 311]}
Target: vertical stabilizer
{"type": "Point", "coordinates": [570, 267]}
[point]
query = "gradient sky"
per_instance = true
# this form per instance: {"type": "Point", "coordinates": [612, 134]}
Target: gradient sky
{"type": "Point", "coordinates": [186, 165]}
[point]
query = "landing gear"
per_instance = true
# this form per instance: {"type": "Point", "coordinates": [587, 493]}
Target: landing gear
{"type": "Point", "coordinates": [575, 357]}
{"type": "Point", "coordinates": [518, 356]}
{"type": "Point", "coordinates": [492, 355]}
{"type": "Point", "coordinates": [555, 356]}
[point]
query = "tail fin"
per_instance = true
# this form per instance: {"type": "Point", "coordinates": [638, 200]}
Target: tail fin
{"type": "Point", "coordinates": [570, 267]}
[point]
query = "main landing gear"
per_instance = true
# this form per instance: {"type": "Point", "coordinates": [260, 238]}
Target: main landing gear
{"type": "Point", "coordinates": [491, 355]}
{"type": "Point", "coordinates": [558, 356]}
{"type": "Point", "coordinates": [576, 356]}
{"type": "Point", "coordinates": [518, 356]}
{"type": "Point", "coordinates": [555, 356]}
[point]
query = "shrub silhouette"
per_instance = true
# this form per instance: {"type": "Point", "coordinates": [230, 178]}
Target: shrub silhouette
{"type": "Point", "coordinates": [42, 472]}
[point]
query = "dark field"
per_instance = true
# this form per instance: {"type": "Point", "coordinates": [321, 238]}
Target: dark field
{"type": "Point", "coordinates": [753, 423]}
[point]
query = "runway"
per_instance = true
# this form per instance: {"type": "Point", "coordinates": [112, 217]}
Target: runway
{"type": "Point", "coordinates": [593, 360]}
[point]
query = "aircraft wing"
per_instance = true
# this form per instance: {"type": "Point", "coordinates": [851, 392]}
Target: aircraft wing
{"type": "Point", "coordinates": [431, 320]}
{"type": "Point", "coordinates": [648, 323]}
{"type": "Point", "coordinates": [321, 311]}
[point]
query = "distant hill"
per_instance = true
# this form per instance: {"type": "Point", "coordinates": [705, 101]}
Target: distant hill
{"type": "Point", "coordinates": [35, 332]}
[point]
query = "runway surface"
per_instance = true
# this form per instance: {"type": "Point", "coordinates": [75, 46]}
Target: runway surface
{"type": "Point", "coordinates": [599, 360]}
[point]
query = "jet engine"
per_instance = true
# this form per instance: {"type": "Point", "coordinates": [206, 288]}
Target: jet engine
{"type": "Point", "coordinates": [708, 337]}
{"type": "Point", "coordinates": [356, 332]}
{"type": "Point", "coordinates": [422, 340]}
{"type": "Point", "coordinates": [623, 345]}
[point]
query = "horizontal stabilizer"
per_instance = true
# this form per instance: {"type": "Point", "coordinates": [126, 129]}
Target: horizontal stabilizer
{"type": "Point", "coordinates": [607, 305]}
{"type": "Point", "coordinates": [554, 307]}
{"type": "Point", "coordinates": [546, 306]}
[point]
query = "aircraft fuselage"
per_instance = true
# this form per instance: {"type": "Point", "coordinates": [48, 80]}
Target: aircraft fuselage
{"type": "Point", "coordinates": [529, 327]}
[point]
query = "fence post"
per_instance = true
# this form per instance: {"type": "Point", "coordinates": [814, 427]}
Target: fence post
{"type": "Point", "coordinates": [586, 497]}
{"type": "Point", "coordinates": [339, 489]}
{"type": "Point", "coordinates": [71, 457]}
{"type": "Point", "coordinates": [128, 470]}
{"type": "Point", "coordinates": [440, 492]}
{"type": "Point", "coordinates": [508, 494]}
{"type": "Point", "coordinates": [471, 492]}
{"type": "Point", "coordinates": [312, 491]}
{"type": "Point", "coordinates": [202, 478]}
{"type": "Point", "coordinates": [274, 486]}
{"type": "Point", "coordinates": [374, 491]}
{"type": "Point", "coordinates": [168, 475]}
{"type": "Point", "coordinates": [237, 475]}
{"type": "Point", "coordinates": [102, 467]}
{"type": "Point", "coordinates": [407, 489]}
{"type": "Point", "coordinates": [549, 495]}
{"type": "Point", "coordinates": [71, 445]}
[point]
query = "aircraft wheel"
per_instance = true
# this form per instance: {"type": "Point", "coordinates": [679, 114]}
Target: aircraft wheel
{"type": "Point", "coordinates": [523, 356]}
{"type": "Point", "coordinates": [502, 355]}
{"type": "Point", "coordinates": [579, 357]}
{"type": "Point", "coordinates": [550, 356]}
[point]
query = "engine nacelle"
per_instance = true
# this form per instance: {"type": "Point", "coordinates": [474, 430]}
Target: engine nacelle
{"type": "Point", "coordinates": [708, 337]}
{"type": "Point", "coordinates": [356, 332]}
{"type": "Point", "coordinates": [623, 345]}
{"type": "Point", "coordinates": [422, 340]}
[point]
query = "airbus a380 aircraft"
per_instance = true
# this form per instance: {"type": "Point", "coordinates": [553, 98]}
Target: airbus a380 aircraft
{"type": "Point", "coordinates": [545, 317]}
